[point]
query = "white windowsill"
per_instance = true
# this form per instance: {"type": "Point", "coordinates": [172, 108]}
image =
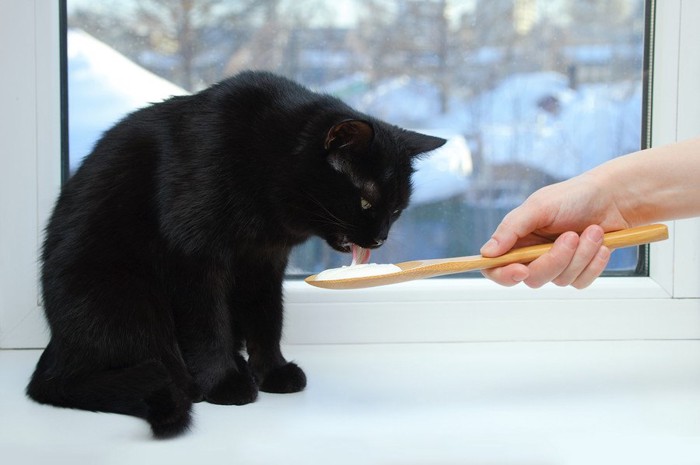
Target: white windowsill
{"type": "Point", "coordinates": [478, 310]}
{"type": "Point", "coordinates": [665, 306]}
{"type": "Point", "coordinates": [475, 289]}
{"type": "Point", "coordinates": [568, 403]}
{"type": "Point", "coordinates": [461, 310]}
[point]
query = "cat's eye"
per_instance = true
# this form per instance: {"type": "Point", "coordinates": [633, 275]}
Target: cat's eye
{"type": "Point", "coordinates": [365, 204]}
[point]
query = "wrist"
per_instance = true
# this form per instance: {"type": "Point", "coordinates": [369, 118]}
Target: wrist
{"type": "Point", "coordinates": [617, 194]}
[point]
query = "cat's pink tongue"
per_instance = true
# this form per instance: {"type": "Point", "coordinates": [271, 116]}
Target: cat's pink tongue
{"type": "Point", "coordinates": [360, 255]}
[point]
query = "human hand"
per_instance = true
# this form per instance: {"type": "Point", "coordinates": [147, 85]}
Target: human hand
{"type": "Point", "coordinates": [573, 260]}
{"type": "Point", "coordinates": [558, 211]}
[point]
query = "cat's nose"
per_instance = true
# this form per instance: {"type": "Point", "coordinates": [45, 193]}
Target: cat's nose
{"type": "Point", "coordinates": [381, 235]}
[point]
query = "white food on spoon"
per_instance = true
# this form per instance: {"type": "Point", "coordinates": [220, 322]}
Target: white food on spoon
{"type": "Point", "coordinates": [359, 267]}
{"type": "Point", "coordinates": [357, 271]}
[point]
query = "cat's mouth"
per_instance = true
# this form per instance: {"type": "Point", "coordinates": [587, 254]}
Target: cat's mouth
{"type": "Point", "coordinates": [360, 255]}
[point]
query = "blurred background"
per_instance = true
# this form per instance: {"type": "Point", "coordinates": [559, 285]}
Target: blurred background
{"type": "Point", "coordinates": [529, 92]}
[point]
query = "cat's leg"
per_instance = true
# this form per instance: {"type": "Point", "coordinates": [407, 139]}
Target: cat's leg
{"type": "Point", "coordinates": [220, 374]}
{"type": "Point", "coordinates": [236, 387]}
{"type": "Point", "coordinates": [113, 346]}
{"type": "Point", "coordinates": [206, 342]}
{"type": "Point", "coordinates": [145, 390]}
{"type": "Point", "coordinates": [258, 308]}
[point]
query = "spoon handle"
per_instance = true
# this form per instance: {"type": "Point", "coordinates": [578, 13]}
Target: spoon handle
{"type": "Point", "coordinates": [613, 240]}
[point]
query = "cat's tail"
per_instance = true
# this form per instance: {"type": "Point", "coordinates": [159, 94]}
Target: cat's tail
{"type": "Point", "coordinates": [145, 390]}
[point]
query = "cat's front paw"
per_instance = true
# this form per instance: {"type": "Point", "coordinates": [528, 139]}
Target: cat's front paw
{"type": "Point", "coordinates": [236, 388]}
{"type": "Point", "coordinates": [284, 379]}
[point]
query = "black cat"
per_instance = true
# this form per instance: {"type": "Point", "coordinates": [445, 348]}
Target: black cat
{"type": "Point", "coordinates": [165, 254]}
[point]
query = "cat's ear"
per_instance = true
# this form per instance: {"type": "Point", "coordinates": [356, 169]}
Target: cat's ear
{"type": "Point", "coordinates": [352, 135]}
{"type": "Point", "coordinates": [417, 144]}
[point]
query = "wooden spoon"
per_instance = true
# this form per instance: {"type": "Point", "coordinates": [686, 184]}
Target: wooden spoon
{"type": "Point", "coordinates": [419, 269]}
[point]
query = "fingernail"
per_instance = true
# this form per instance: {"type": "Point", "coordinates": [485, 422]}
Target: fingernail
{"type": "Point", "coordinates": [519, 277]}
{"type": "Point", "coordinates": [603, 254]}
{"type": "Point", "coordinates": [571, 240]}
{"type": "Point", "coordinates": [596, 235]}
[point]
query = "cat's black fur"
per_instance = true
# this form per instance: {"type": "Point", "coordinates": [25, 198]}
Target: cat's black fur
{"type": "Point", "coordinates": [166, 251]}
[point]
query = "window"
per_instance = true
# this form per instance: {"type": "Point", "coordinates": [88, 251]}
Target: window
{"type": "Point", "coordinates": [528, 95]}
{"type": "Point", "coordinates": [661, 306]}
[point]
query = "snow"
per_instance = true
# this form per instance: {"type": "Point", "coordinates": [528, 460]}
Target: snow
{"type": "Point", "coordinates": [104, 86]}
{"type": "Point", "coordinates": [406, 101]}
{"type": "Point", "coordinates": [442, 173]}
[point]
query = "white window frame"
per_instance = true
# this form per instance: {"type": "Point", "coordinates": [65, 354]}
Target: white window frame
{"type": "Point", "coordinates": [665, 305]}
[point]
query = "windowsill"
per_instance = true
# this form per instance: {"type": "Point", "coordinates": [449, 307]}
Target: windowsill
{"type": "Point", "coordinates": [459, 310]}
{"type": "Point", "coordinates": [475, 289]}
{"type": "Point", "coordinates": [516, 403]}
{"type": "Point", "coordinates": [473, 310]}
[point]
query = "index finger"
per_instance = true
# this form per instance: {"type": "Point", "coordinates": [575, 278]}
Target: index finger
{"type": "Point", "coordinates": [516, 225]}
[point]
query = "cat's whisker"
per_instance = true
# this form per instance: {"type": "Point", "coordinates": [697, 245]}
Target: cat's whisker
{"type": "Point", "coordinates": [337, 221]}
{"type": "Point", "coordinates": [320, 218]}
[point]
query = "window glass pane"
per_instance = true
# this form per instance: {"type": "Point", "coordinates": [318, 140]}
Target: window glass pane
{"type": "Point", "coordinates": [529, 91]}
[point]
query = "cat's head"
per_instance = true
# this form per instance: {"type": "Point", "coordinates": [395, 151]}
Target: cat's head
{"type": "Point", "coordinates": [365, 181]}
